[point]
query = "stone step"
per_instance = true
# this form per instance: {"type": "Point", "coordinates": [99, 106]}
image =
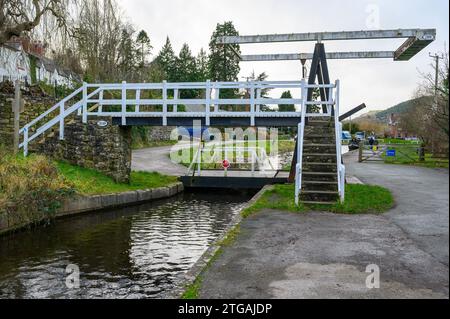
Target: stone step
{"type": "Point", "coordinates": [319, 167]}
{"type": "Point", "coordinates": [320, 118]}
{"type": "Point", "coordinates": [319, 196]}
{"type": "Point", "coordinates": [319, 176]}
{"type": "Point", "coordinates": [319, 140]}
{"type": "Point", "coordinates": [320, 124]}
{"type": "Point", "coordinates": [319, 148]}
{"type": "Point", "coordinates": [319, 157]}
{"type": "Point", "coordinates": [319, 130]}
{"type": "Point", "coordinates": [320, 186]}
{"type": "Point", "coordinates": [318, 203]}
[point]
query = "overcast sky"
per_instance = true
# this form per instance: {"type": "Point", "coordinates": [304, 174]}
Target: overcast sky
{"type": "Point", "coordinates": [378, 83]}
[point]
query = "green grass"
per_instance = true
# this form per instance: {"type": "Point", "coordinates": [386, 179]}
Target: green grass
{"type": "Point", "coordinates": [92, 182]}
{"type": "Point", "coordinates": [29, 185]}
{"type": "Point", "coordinates": [360, 199]}
{"type": "Point", "coordinates": [408, 155]}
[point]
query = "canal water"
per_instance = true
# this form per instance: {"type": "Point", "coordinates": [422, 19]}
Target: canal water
{"type": "Point", "coordinates": [135, 252]}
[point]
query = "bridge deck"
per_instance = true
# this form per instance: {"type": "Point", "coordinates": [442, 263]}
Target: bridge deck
{"type": "Point", "coordinates": [234, 179]}
{"type": "Point", "coordinates": [231, 121]}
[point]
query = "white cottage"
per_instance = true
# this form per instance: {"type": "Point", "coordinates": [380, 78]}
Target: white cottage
{"type": "Point", "coordinates": [15, 64]}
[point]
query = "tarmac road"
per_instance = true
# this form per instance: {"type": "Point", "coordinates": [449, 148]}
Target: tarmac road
{"type": "Point", "coordinates": [323, 255]}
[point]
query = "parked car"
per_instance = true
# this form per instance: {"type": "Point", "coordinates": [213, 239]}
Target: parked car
{"type": "Point", "coordinates": [360, 136]}
{"type": "Point", "coordinates": [346, 136]}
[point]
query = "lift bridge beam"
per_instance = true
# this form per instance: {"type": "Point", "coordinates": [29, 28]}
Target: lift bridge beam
{"type": "Point", "coordinates": [417, 39]}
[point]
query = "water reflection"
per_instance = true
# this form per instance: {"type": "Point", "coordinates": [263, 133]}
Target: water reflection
{"type": "Point", "coordinates": [137, 252]}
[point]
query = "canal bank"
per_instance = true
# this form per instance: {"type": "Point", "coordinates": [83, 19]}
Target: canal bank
{"type": "Point", "coordinates": [139, 251]}
{"type": "Point", "coordinates": [11, 221]}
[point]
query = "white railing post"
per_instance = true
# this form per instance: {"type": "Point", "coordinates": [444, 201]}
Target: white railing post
{"type": "Point", "coordinates": [137, 108]}
{"type": "Point", "coordinates": [297, 182]}
{"type": "Point", "coordinates": [100, 104]}
{"type": "Point", "coordinates": [62, 111]}
{"type": "Point", "coordinates": [252, 104]}
{"type": "Point", "coordinates": [208, 103]}
{"type": "Point", "coordinates": [253, 162]}
{"type": "Point", "coordinates": [164, 93]}
{"type": "Point", "coordinates": [25, 141]}
{"type": "Point", "coordinates": [342, 182]}
{"type": "Point", "coordinates": [258, 96]}
{"type": "Point", "coordinates": [175, 96]}
{"type": "Point", "coordinates": [217, 97]}
{"type": "Point", "coordinates": [338, 130]}
{"type": "Point", "coordinates": [124, 103]}
{"type": "Point", "coordinates": [330, 101]}
{"type": "Point", "coordinates": [85, 102]}
{"type": "Point", "coordinates": [199, 158]}
{"type": "Point", "coordinates": [300, 136]}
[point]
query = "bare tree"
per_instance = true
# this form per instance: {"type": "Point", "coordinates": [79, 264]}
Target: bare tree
{"type": "Point", "coordinates": [20, 16]}
{"type": "Point", "coordinates": [439, 106]}
{"type": "Point", "coordinates": [430, 119]}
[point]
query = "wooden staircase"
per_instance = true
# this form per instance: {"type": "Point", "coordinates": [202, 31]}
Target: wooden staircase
{"type": "Point", "coordinates": [319, 165]}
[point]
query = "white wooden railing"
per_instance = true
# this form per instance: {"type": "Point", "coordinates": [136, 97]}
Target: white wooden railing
{"type": "Point", "coordinates": [128, 101]}
{"type": "Point", "coordinates": [257, 156]}
{"type": "Point", "coordinates": [90, 100]}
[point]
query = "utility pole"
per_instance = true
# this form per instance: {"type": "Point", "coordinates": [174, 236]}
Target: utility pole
{"type": "Point", "coordinates": [436, 57]}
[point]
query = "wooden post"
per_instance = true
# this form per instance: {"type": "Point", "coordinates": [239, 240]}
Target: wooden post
{"type": "Point", "coordinates": [361, 148]}
{"type": "Point", "coordinates": [422, 153]}
{"type": "Point", "coordinates": [16, 111]}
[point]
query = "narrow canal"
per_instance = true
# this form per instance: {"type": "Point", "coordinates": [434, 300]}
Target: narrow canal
{"type": "Point", "coordinates": [135, 252]}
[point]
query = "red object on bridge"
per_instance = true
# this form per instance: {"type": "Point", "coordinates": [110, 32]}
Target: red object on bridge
{"type": "Point", "coordinates": [225, 164]}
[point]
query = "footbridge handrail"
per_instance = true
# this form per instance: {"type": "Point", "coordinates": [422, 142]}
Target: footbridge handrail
{"type": "Point", "coordinates": [128, 101]}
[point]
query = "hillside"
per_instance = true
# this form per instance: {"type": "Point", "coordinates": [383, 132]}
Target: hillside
{"type": "Point", "coordinates": [401, 108]}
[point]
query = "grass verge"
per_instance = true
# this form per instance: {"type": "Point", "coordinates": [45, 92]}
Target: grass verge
{"type": "Point", "coordinates": [92, 182]}
{"type": "Point", "coordinates": [30, 186]}
{"type": "Point", "coordinates": [360, 199]}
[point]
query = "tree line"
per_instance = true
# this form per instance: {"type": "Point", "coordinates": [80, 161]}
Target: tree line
{"type": "Point", "coordinates": [93, 38]}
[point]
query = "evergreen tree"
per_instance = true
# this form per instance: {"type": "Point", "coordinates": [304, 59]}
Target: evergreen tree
{"type": "Point", "coordinates": [202, 66]}
{"type": "Point", "coordinates": [264, 92]}
{"type": "Point", "coordinates": [223, 61]}
{"type": "Point", "coordinates": [127, 54]}
{"type": "Point", "coordinates": [186, 70]}
{"type": "Point", "coordinates": [144, 45]}
{"type": "Point", "coordinates": [167, 61]}
{"type": "Point", "coordinates": [286, 107]}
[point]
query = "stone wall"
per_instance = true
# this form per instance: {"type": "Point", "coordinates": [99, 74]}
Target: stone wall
{"type": "Point", "coordinates": [33, 107]}
{"type": "Point", "coordinates": [160, 133]}
{"type": "Point", "coordinates": [105, 149]}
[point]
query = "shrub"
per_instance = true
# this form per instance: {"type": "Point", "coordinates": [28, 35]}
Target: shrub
{"type": "Point", "coordinates": [30, 186]}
